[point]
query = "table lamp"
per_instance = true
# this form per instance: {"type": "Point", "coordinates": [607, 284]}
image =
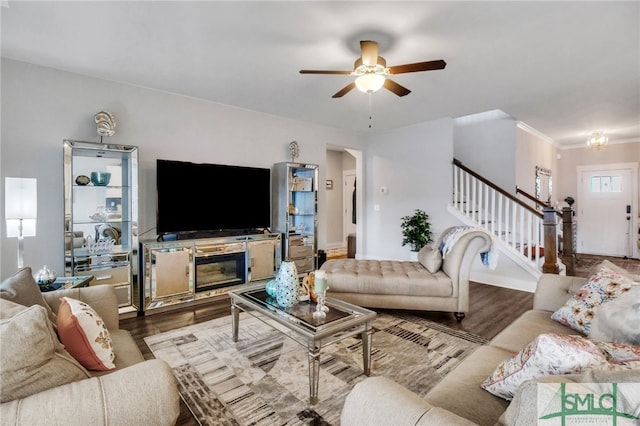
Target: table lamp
{"type": "Point", "coordinates": [21, 210]}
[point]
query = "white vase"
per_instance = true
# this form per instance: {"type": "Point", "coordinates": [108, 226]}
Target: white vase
{"type": "Point", "coordinates": [287, 285]}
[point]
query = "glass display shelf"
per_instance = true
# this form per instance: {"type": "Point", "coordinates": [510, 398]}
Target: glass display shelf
{"type": "Point", "coordinates": [101, 221]}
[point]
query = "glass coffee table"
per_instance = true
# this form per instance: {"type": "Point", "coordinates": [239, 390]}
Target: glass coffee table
{"type": "Point", "coordinates": [343, 320]}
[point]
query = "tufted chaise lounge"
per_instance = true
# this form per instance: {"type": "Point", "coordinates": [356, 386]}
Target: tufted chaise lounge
{"type": "Point", "coordinates": [392, 284]}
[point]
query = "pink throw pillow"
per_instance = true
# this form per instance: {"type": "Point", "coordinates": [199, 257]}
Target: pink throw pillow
{"type": "Point", "coordinates": [84, 335]}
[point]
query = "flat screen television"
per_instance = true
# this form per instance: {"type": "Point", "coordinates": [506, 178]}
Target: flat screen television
{"type": "Point", "coordinates": [204, 198]}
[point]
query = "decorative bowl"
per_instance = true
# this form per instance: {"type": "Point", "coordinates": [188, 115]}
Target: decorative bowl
{"type": "Point", "coordinates": [100, 178]}
{"type": "Point", "coordinates": [83, 180]}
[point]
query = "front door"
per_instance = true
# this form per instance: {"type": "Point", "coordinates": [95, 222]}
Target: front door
{"type": "Point", "coordinates": [605, 210]}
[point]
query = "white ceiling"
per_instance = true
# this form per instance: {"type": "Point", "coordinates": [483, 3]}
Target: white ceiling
{"type": "Point", "coordinates": [563, 68]}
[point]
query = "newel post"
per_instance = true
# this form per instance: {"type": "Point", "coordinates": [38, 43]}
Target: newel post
{"type": "Point", "coordinates": [549, 222]}
{"type": "Point", "coordinates": [568, 251]}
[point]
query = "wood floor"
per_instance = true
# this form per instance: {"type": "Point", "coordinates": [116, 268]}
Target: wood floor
{"type": "Point", "coordinates": [492, 309]}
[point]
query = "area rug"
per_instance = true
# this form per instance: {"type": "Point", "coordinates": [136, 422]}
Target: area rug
{"type": "Point", "coordinates": [263, 378]}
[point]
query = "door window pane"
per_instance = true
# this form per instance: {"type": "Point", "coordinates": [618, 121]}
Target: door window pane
{"type": "Point", "coordinates": [605, 184]}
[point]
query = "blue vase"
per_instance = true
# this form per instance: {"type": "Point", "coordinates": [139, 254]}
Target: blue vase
{"type": "Point", "coordinates": [271, 287]}
{"type": "Point", "coordinates": [287, 284]}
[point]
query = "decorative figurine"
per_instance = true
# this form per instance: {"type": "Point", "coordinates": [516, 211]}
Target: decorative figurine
{"type": "Point", "coordinates": [45, 276]}
{"type": "Point", "coordinates": [106, 123]}
{"type": "Point", "coordinates": [294, 150]}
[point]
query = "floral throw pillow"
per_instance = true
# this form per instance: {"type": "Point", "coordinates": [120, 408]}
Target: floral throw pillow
{"type": "Point", "coordinates": [84, 335]}
{"type": "Point", "coordinates": [603, 286]}
{"type": "Point", "coordinates": [547, 355]}
{"type": "Point", "coordinates": [618, 352]}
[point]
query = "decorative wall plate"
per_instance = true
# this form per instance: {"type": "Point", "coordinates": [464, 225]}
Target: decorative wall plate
{"type": "Point", "coordinates": [83, 180]}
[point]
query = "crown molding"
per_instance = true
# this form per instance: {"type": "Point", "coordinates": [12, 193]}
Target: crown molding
{"type": "Point", "coordinates": [524, 126]}
{"type": "Point", "coordinates": [611, 142]}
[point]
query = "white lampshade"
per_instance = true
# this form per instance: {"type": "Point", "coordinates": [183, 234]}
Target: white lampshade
{"type": "Point", "coordinates": [28, 228]}
{"type": "Point", "coordinates": [369, 83]}
{"type": "Point", "coordinates": [21, 203]}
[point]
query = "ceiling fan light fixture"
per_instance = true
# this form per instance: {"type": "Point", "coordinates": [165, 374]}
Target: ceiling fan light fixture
{"type": "Point", "coordinates": [597, 140]}
{"type": "Point", "coordinates": [369, 83]}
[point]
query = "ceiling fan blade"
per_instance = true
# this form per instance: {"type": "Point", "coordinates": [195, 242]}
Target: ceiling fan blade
{"type": "Point", "coordinates": [369, 53]}
{"type": "Point", "coordinates": [418, 66]}
{"type": "Point", "coordinates": [325, 72]}
{"type": "Point", "coordinates": [396, 88]}
{"type": "Point", "coordinates": [346, 89]}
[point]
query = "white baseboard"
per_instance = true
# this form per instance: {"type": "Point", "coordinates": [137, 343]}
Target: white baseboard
{"type": "Point", "coordinates": [503, 281]}
{"type": "Point", "coordinates": [337, 245]}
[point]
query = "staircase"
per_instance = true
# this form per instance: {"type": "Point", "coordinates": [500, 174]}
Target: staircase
{"type": "Point", "coordinates": [520, 232]}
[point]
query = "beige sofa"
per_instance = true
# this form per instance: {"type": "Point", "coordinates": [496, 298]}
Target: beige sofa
{"type": "Point", "coordinates": [458, 399]}
{"type": "Point", "coordinates": [432, 283]}
{"type": "Point", "coordinates": [137, 392]}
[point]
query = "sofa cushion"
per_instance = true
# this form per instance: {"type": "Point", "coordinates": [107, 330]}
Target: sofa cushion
{"type": "Point", "coordinates": [526, 328]}
{"type": "Point", "coordinates": [144, 395]}
{"type": "Point", "coordinates": [460, 391]}
{"type": "Point", "coordinates": [84, 334]}
{"type": "Point", "coordinates": [31, 357]}
{"type": "Point", "coordinates": [395, 405]}
{"type": "Point", "coordinates": [430, 258]}
{"type": "Point", "coordinates": [603, 286]}
{"type": "Point", "coordinates": [548, 354]}
{"type": "Point", "coordinates": [619, 320]}
{"type": "Point", "coordinates": [22, 289]}
{"type": "Point", "coordinates": [385, 277]}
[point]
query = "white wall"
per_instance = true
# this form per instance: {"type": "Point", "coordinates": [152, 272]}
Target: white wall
{"type": "Point", "coordinates": [571, 159]}
{"type": "Point", "coordinates": [414, 165]}
{"type": "Point", "coordinates": [42, 106]}
{"type": "Point", "coordinates": [485, 143]}
{"type": "Point", "coordinates": [534, 150]}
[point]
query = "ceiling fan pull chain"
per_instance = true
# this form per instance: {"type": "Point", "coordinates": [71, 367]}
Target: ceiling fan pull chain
{"type": "Point", "coordinates": [370, 109]}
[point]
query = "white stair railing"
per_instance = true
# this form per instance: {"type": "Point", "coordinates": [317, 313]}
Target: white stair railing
{"type": "Point", "coordinates": [511, 221]}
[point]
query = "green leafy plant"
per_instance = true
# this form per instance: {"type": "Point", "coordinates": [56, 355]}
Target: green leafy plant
{"type": "Point", "coordinates": [416, 230]}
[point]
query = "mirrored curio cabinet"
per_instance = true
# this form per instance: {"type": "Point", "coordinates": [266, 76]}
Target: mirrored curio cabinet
{"type": "Point", "coordinates": [101, 217]}
{"type": "Point", "coordinates": [294, 212]}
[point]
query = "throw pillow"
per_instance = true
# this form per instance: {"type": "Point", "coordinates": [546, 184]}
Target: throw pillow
{"type": "Point", "coordinates": [430, 259]}
{"type": "Point", "coordinates": [619, 320]}
{"type": "Point", "coordinates": [601, 287]}
{"type": "Point", "coordinates": [32, 359]}
{"type": "Point", "coordinates": [615, 268]}
{"type": "Point", "coordinates": [618, 352]}
{"type": "Point", "coordinates": [22, 289]}
{"type": "Point", "coordinates": [548, 354]}
{"type": "Point", "coordinates": [84, 334]}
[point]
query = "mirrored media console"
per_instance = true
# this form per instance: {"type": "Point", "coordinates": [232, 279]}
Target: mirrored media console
{"type": "Point", "coordinates": [175, 273]}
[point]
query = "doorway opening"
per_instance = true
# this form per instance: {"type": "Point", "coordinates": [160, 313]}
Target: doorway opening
{"type": "Point", "coordinates": [343, 201]}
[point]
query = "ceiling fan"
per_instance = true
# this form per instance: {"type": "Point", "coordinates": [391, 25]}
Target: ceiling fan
{"type": "Point", "coordinates": [372, 71]}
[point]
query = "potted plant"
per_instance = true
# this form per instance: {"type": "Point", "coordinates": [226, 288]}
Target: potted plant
{"type": "Point", "coordinates": [416, 230]}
